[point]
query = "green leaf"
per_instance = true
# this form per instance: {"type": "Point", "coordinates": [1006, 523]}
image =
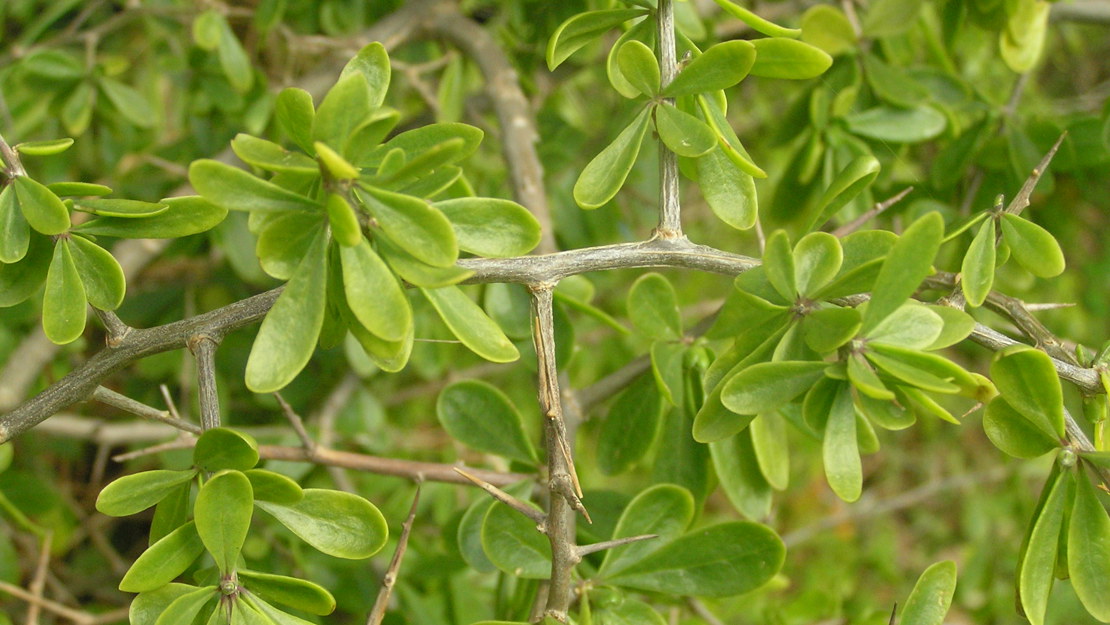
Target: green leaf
{"type": "Point", "coordinates": [207, 28]}
{"type": "Point", "coordinates": [345, 107]}
{"type": "Point", "coordinates": [482, 417]}
{"type": "Point", "coordinates": [1039, 561]}
{"type": "Point", "coordinates": [828, 329]}
{"type": "Point", "coordinates": [234, 60]}
{"type": "Point", "coordinates": [778, 57]}
{"type": "Point", "coordinates": [840, 449]}
{"type": "Point", "coordinates": [43, 210]}
{"type": "Point", "coordinates": [43, 148]}
{"type": "Point", "coordinates": [768, 432]}
{"type": "Point", "coordinates": [864, 378]}
{"type": "Point", "coordinates": [683, 133]}
{"type": "Point", "coordinates": [583, 28]}
{"type": "Point", "coordinates": [630, 427]}
{"type": "Point", "coordinates": [757, 23]}
{"type": "Point", "coordinates": [957, 326]}
{"type": "Point", "coordinates": [932, 595]}
{"type": "Point", "coordinates": [78, 188]}
{"type": "Point", "coordinates": [826, 27]}
{"type": "Point", "coordinates": [727, 138]}
{"type": "Point", "coordinates": [890, 17]}
{"type": "Point", "coordinates": [664, 510]}
{"type": "Point", "coordinates": [372, 61]}
{"type": "Point", "coordinates": [928, 365]}
{"type": "Point", "coordinates": [849, 183]}
{"type": "Point", "coordinates": [653, 308]}
{"type": "Point", "coordinates": [667, 368]}
{"type": "Point", "coordinates": [514, 545]}
{"type": "Point", "coordinates": [1032, 246]}
{"type": "Point", "coordinates": [223, 516]}
{"type": "Point", "coordinates": [187, 607]}
{"type": "Point", "coordinates": [129, 102]}
{"type": "Point", "coordinates": [336, 523]}
{"type": "Point", "coordinates": [722, 560]}
{"type": "Point", "coordinates": [417, 273]}
{"type": "Point", "coordinates": [274, 487]}
{"type": "Point", "coordinates": [767, 386]}
{"type": "Point", "coordinates": [139, 491]}
{"type": "Point", "coordinates": [491, 227]}
{"type": "Point", "coordinates": [778, 264]}
{"type": "Point", "coordinates": [63, 304]}
{"type": "Point", "coordinates": [183, 217]}
{"type": "Point", "coordinates": [740, 475]}
{"type": "Point", "coordinates": [817, 259]}
{"type": "Point", "coordinates": [628, 611]}
{"type": "Point", "coordinates": [295, 115]}
{"type": "Point", "coordinates": [148, 606]}
{"type": "Point", "coordinates": [1027, 380]}
{"type": "Point", "coordinates": [469, 534]}
{"type": "Point", "coordinates": [638, 64]}
{"type": "Point", "coordinates": [906, 265]}
{"type": "Point", "coordinates": [722, 66]}
{"type": "Point", "coordinates": [893, 84]}
{"type": "Point", "coordinates": [729, 191]}
{"type": "Point", "coordinates": [1089, 550]}
{"type": "Point", "coordinates": [977, 269]}
{"type": "Point", "coordinates": [414, 143]}
{"type": "Point", "coordinates": [235, 189]}
{"type": "Point", "coordinates": [643, 30]}
{"type": "Point", "coordinates": [223, 448]}
{"type": "Point", "coordinates": [268, 614]}
{"type": "Point", "coordinates": [345, 228]}
{"type": "Point", "coordinates": [906, 372]}
{"type": "Point", "coordinates": [471, 324]}
{"type": "Point", "coordinates": [335, 165]}
{"type": "Point", "coordinates": [606, 173]}
{"type": "Point", "coordinates": [271, 156]}
{"type": "Point", "coordinates": [911, 325]}
{"type": "Point", "coordinates": [100, 273]}
{"type": "Point", "coordinates": [128, 209]}
{"type": "Point", "coordinates": [289, 591]}
{"type": "Point", "coordinates": [898, 125]}
{"type": "Point", "coordinates": [373, 293]}
{"type": "Point", "coordinates": [288, 335]}
{"type": "Point", "coordinates": [389, 356]}
{"type": "Point", "coordinates": [284, 240]}
{"type": "Point", "coordinates": [15, 233]}
{"type": "Point", "coordinates": [164, 560]}
{"type": "Point", "coordinates": [414, 225]}
{"type": "Point", "coordinates": [1022, 41]}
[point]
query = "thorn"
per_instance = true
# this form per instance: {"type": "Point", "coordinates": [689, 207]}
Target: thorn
{"type": "Point", "coordinates": [505, 498]}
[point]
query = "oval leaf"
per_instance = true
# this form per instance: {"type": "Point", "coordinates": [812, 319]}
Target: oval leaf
{"type": "Point", "coordinates": [139, 491]}
{"type": "Point", "coordinates": [683, 133]}
{"type": "Point", "coordinates": [100, 273]}
{"type": "Point", "coordinates": [977, 269]}
{"type": "Point", "coordinates": [638, 64]}
{"type": "Point", "coordinates": [1027, 380]}
{"type": "Point", "coordinates": [471, 324]}
{"type": "Point", "coordinates": [664, 510]}
{"type": "Point", "coordinates": [15, 233]}
{"type": "Point", "coordinates": [840, 449]}
{"type": "Point", "coordinates": [653, 308]}
{"type": "Point", "coordinates": [583, 28]}
{"type": "Point", "coordinates": [932, 595]}
{"type": "Point", "coordinates": [164, 560]}
{"type": "Point", "coordinates": [630, 427]}
{"type": "Point", "coordinates": [514, 545]}
{"type": "Point", "coordinates": [479, 415]}
{"type": "Point", "coordinates": [606, 173]}
{"type": "Point", "coordinates": [120, 208]}
{"type": "Point", "coordinates": [290, 591]}
{"type": "Point", "coordinates": [337, 523]}
{"type": "Point", "coordinates": [63, 304]}
{"type": "Point", "coordinates": [1039, 560]}
{"type": "Point", "coordinates": [183, 217]}
{"type": "Point", "coordinates": [729, 191]}
{"type": "Point", "coordinates": [274, 487]}
{"type": "Point", "coordinates": [1089, 550]}
{"type": "Point", "coordinates": [223, 516]}
{"type": "Point", "coordinates": [222, 448]}
{"type": "Point", "coordinates": [778, 57]}
{"type": "Point", "coordinates": [1032, 246]}
{"type": "Point", "coordinates": [905, 266]}
{"type": "Point", "coordinates": [491, 227]}
{"type": "Point", "coordinates": [43, 148]}
{"type": "Point", "coordinates": [185, 608]}
{"type": "Point", "coordinates": [235, 189]}
{"type": "Point", "coordinates": [722, 66]}
{"type": "Point", "coordinates": [414, 225]}
{"type": "Point", "coordinates": [817, 259]}
{"type": "Point", "coordinates": [898, 125]}
{"type": "Point", "coordinates": [373, 293]}
{"type": "Point", "coordinates": [767, 386]}
{"type": "Point", "coordinates": [43, 210]}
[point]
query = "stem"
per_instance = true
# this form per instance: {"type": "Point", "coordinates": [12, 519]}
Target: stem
{"type": "Point", "coordinates": [204, 347]}
{"type": "Point", "coordinates": [670, 208]}
{"type": "Point", "coordinates": [112, 398]}
{"type": "Point", "coordinates": [382, 602]}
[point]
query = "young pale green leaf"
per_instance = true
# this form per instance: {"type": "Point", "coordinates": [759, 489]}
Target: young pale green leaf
{"type": "Point", "coordinates": [414, 225]}
{"type": "Point", "coordinates": [1022, 41]}
{"type": "Point", "coordinates": [417, 273]}
{"type": "Point", "coordinates": [957, 326]}
{"type": "Point", "coordinates": [139, 491]}
{"type": "Point", "coordinates": [43, 148]}
{"type": "Point", "coordinates": [187, 607]}
{"type": "Point", "coordinates": [414, 143]}
{"type": "Point", "coordinates": [583, 28]}
{"type": "Point", "coordinates": [373, 293]}
{"type": "Point", "coordinates": [333, 163]}
{"type": "Point", "coordinates": [288, 334]}
{"type": "Point", "coordinates": [906, 372]}
{"type": "Point", "coordinates": [667, 368]}
{"type": "Point", "coordinates": [182, 217]}
{"type": "Point", "coordinates": [284, 240]}
{"type": "Point", "coordinates": [372, 61]}
{"type": "Point", "coordinates": [640, 68]}
{"type": "Point", "coordinates": [235, 189]}
{"type": "Point", "coordinates": [664, 510]}
{"type": "Point", "coordinates": [643, 30]}
{"type": "Point", "coordinates": [768, 432]}
{"type": "Point", "coordinates": [164, 560]}
{"type": "Point", "coordinates": [827, 329]}
{"type": "Point", "coordinates": [1089, 549]}
{"type": "Point", "coordinates": [345, 107]}
{"type": "Point", "coordinates": [729, 191]}
{"type": "Point", "coordinates": [128, 209]}
{"type": "Point", "coordinates": [471, 324]}
{"type": "Point", "coordinates": [267, 613]}
{"type": "Point", "coordinates": [906, 265]}
{"type": "Point", "coordinates": [630, 427]}
{"type": "Point", "coordinates": [1032, 246]}
{"type": "Point", "coordinates": [840, 449]}
{"type": "Point", "coordinates": [482, 417]}
{"type": "Point", "coordinates": [15, 233]}
{"type": "Point", "coordinates": [778, 264]}
{"type": "Point", "coordinates": [345, 228]}
{"type": "Point", "coordinates": [898, 125]}
{"type": "Point", "coordinates": [741, 478]}
{"type": "Point", "coordinates": [606, 173]}
{"type": "Point", "coordinates": [336, 523]}
{"type": "Point", "coordinates": [767, 386]}
{"type": "Point", "coordinates": [100, 273]}
{"type": "Point", "coordinates": [271, 156]}
{"type": "Point", "coordinates": [722, 560]}
{"type": "Point", "coordinates": [63, 304]}
{"type": "Point", "coordinates": [131, 104]}
{"type": "Point", "coordinates": [1039, 560]}
{"type": "Point", "coordinates": [889, 415]}
{"type": "Point", "coordinates": [223, 516]}
{"type": "Point", "coordinates": [722, 66]}
{"type": "Point", "coordinates": [757, 23]}
{"type": "Point", "coordinates": [207, 28]}
{"type": "Point", "coordinates": [653, 308]}
{"type": "Point", "coordinates": [295, 115]}
{"type": "Point", "coordinates": [779, 57]}
{"type": "Point", "coordinates": [491, 227]}
{"type": "Point", "coordinates": [817, 259]}
{"type": "Point", "coordinates": [43, 210]}
{"type": "Point", "coordinates": [932, 595]}
{"type": "Point", "coordinates": [849, 183]}
{"type": "Point", "coordinates": [289, 591]}
{"type": "Point", "coordinates": [826, 27]}
{"type": "Point", "coordinates": [274, 487]}
{"type": "Point", "coordinates": [223, 448]}
{"type": "Point", "coordinates": [514, 545]}
{"type": "Point", "coordinates": [683, 133]}
{"type": "Point", "coordinates": [977, 269]}
{"type": "Point", "coordinates": [930, 365]}
{"type": "Point", "coordinates": [743, 311]}
{"type": "Point", "coordinates": [1027, 379]}
{"type": "Point", "coordinates": [234, 60]}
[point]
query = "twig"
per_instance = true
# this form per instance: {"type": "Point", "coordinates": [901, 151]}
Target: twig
{"type": "Point", "coordinates": [203, 346]}
{"type": "Point", "coordinates": [170, 404]}
{"type": "Point", "coordinates": [1021, 200]}
{"type": "Point", "coordinates": [117, 329]}
{"type": "Point", "coordinates": [38, 582]}
{"type": "Point", "coordinates": [670, 208]}
{"type": "Point", "coordinates": [585, 550]}
{"type": "Point", "coordinates": [81, 618]}
{"type": "Point", "coordinates": [296, 421]}
{"type": "Point", "coordinates": [535, 515]}
{"type": "Point", "coordinates": [325, 421]}
{"type": "Point", "coordinates": [703, 611]}
{"type": "Point", "coordinates": [380, 604]}
{"type": "Point", "coordinates": [410, 469]}
{"type": "Point", "coordinates": [112, 398]}
{"type": "Point", "coordinates": [875, 211]}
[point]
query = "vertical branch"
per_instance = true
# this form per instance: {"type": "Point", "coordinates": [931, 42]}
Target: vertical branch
{"type": "Point", "coordinates": [203, 347]}
{"type": "Point", "coordinates": [562, 480]}
{"type": "Point", "coordinates": [670, 221]}
{"type": "Point", "coordinates": [377, 613]}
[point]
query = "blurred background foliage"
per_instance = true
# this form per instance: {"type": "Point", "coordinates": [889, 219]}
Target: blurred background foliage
{"type": "Point", "coordinates": [143, 98]}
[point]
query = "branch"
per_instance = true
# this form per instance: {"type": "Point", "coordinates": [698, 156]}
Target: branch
{"type": "Point", "coordinates": [112, 398]}
{"type": "Point", "coordinates": [535, 515]}
{"type": "Point", "coordinates": [380, 604]}
{"type": "Point", "coordinates": [585, 550]}
{"type": "Point", "coordinates": [670, 208]}
{"type": "Point", "coordinates": [410, 469]}
{"type": "Point", "coordinates": [203, 346]}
